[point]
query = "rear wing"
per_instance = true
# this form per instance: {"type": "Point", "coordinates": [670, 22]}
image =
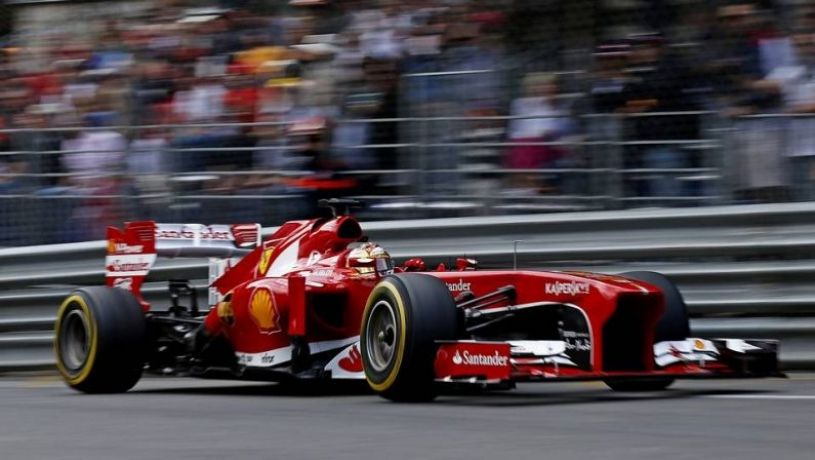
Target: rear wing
{"type": "Point", "coordinates": [133, 250]}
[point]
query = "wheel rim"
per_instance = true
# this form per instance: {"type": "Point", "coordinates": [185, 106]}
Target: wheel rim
{"type": "Point", "coordinates": [380, 336]}
{"type": "Point", "coordinates": [74, 340]}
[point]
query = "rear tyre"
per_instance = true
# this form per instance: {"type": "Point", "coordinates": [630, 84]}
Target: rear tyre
{"type": "Point", "coordinates": [404, 317]}
{"type": "Point", "coordinates": [674, 325]}
{"type": "Point", "coordinates": [100, 340]}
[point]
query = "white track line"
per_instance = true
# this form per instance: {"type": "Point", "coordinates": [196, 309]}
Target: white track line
{"type": "Point", "coordinates": [767, 397]}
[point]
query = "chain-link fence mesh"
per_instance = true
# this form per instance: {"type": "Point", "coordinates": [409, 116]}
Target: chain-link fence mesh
{"type": "Point", "coordinates": [251, 111]}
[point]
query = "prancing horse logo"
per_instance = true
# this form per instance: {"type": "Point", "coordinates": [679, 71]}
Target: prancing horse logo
{"type": "Point", "coordinates": [265, 258]}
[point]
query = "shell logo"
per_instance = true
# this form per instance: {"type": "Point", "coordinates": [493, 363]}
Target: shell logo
{"type": "Point", "coordinates": [111, 246]}
{"type": "Point", "coordinates": [698, 344]}
{"type": "Point", "coordinates": [263, 311]}
{"type": "Point", "coordinates": [225, 313]}
{"type": "Point", "coordinates": [265, 258]}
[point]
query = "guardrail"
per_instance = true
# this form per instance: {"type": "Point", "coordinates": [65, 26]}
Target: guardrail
{"type": "Point", "coordinates": [744, 270]}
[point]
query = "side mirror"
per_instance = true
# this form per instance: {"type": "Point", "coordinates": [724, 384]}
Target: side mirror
{"type": "Point", "coordinates": [464, 263]}
{"type": "Point", "coordinates": [415, 264]}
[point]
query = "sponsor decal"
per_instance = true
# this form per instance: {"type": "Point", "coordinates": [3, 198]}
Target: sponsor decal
{"type": "Point", "coordinates": [124, 248]}
{"type": "Point", "coordinates": [482, 360]}
{"type": "Point", "coordinates": [265, 258]}
{"type": "Point", "coordinates": [225, 313]}
{"type": "Point", "coordinates": [264, 359]}
{"type": "Point", "coordinates": [282, 355]}
{"type": "Point", "coordinates": [352, 362]}
{"type": "Point", "coordinates": [323, 273]}
{"type": "Point", "coordinates": [477, 359]}
{"type": "Point", "coordinates": [698, 344]}
{"type": "Point", "coordinates": [263, 311]}
{"type": "Point", "coordinates": [567, 288]}
{"type": "Point", "coordinates": [459, 286]}
{"type": "Point", "coordinates": [206, 233]}
{"type": "Point", "coordinates": [313, 258]}
{"type": "Point", "coordinates": [117, 266]}
{"type": "Point", "coordinates": [575, 332]}
{"type": "Point", "coordinates": [123, 283]}
{"type": "Point", "coordinates": [128, 265]}
{"type": "Point", "coordinates": [577, 341]}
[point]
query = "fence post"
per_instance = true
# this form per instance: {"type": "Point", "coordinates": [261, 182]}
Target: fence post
{"type": "Point", "coordinates": [719, 130]}
{"type": "Point", "coordinates": [616, 159]}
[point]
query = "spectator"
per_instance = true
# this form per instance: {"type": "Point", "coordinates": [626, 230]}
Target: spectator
{"type": "Point", "coordinates": [608, 78]}
{"type": "Point", "coordinates": [349, 139]}
{"type": "Point", "coordinates": [201, 101]}
{"type": "Point", "coordinates": [756, 162]}
{"type": "Point", "coordinates": [146, 159]}
{"type": "Point", "coordinates": [94, 161]}
{"type": "Point", "coordinates": [381, 88]}
{"type": "Point", "coordinates": [540, 119]}
{"type": "Point", "coordinates": [798, 88]}
{"type": "Point", "coordinates": [382, 30]}
{"type": "Point", "coordinates": [153, 85]}
{"type": "Point", "coordinates": [38, 147]}
{"type": "Point", "coordinates": [658, 82]}
{"type": "Point", "coordinates": [94, 155]}
{"type": "Point", "coordinates": [148, 164]}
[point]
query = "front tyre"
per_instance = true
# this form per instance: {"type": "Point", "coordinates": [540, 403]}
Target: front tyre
{"type": "Point", "coordinates": [404, 317]}
{"type": "Point", "coordinates": [100, 340]}
{"type": "Point", "coordinates": [674, 325]}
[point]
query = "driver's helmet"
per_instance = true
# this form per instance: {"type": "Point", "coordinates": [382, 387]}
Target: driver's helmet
{"type": "Point", "coordinates": [370, 258]}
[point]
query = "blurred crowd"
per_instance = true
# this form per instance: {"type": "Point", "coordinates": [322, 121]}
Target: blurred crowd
{"type": "Point", "coordinates": [266, 94]}
{"type": "Point", "coordinates": [324, 96]}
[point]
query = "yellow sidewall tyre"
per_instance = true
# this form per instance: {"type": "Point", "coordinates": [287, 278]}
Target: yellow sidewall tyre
{"type": "Point", "coordinates": [99, 342]}
{"type": "Point", "coordinates": [406, 314]}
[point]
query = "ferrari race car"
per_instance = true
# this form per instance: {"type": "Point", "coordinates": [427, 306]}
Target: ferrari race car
{"type": "Point", "coordinates": [317, 300]}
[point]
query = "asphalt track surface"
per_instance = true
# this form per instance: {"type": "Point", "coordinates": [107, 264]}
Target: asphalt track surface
{"type": "Point", "coordinates": [183, 418]}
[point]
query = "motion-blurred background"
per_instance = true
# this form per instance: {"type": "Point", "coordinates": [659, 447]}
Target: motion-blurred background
{"type": "Point", "coordinates": [227, 111]}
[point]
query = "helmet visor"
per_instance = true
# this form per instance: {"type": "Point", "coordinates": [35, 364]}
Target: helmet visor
{"type": "Point", "coordinates": [384, 265]}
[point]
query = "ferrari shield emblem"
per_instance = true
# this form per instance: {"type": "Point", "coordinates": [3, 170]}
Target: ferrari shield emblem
{"type": "Point", "coordinates": [263, 311]}
{"type": "Point", "coordinates": [265, 258]}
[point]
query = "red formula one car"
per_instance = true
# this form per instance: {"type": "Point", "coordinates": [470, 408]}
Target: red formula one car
{"type": "Point", "coordinates": [316, 300]}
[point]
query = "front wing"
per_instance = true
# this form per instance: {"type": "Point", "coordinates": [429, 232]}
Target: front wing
{"type": "Point", "coordinates": [491, 362]}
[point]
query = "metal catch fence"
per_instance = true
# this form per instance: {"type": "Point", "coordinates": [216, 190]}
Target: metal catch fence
{"type": "Point", "coordinates": [459, 143]}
